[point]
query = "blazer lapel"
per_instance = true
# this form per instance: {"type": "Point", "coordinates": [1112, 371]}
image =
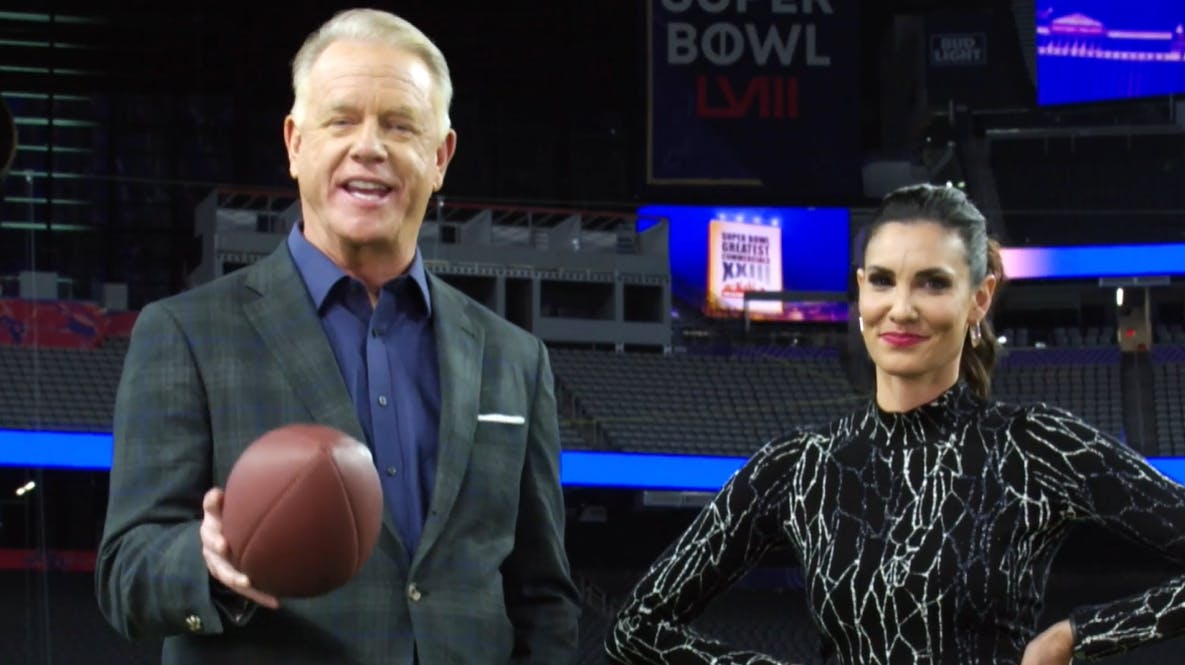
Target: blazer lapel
{"type": "Point", "coordinates": [283, 315]}
{"type": "Point", "coordinates": [459, 349]}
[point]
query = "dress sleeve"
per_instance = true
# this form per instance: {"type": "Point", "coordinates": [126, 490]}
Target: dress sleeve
{"type": "Point", "coordinates": [727, 538]}
{"type": "Point", "coordinates": [1108, 483]}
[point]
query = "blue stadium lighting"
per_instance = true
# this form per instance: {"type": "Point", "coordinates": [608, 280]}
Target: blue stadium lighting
{"type": "Point", "coordinates": [643, 471]}
{"type": "Point", "coordinates": [64, 450]}
{"type": "Point", "coordinates": [75, 450]}
{"type": "Point", "coordinates": [1094, 261]}
{"type": "Point", "coordinates": [1173, 467]}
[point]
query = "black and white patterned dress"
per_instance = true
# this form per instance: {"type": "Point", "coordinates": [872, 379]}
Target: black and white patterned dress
{"type": "Point", "coordinates": [925, 537]}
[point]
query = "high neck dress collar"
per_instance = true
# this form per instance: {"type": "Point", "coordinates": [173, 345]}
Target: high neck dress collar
{"type": "Point", "coordinates": [935, 418]}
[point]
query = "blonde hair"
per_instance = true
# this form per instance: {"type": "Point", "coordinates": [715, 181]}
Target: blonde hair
{"type": "Point", "coordinates": [377, 26]}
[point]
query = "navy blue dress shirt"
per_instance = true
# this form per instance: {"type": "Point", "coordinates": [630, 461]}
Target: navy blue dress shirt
{"type": "Point", "coordinates": [387, 357]}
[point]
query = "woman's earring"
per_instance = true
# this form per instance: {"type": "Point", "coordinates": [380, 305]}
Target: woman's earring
{"type": "Point", "coordinates": [976, 335]}
{"type": "Point", "coordinates": [860, 321]}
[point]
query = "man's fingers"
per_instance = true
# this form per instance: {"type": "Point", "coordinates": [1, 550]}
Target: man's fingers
{"type": "Point", "coordinates": [215, 541]}
{"type": "Point", "coordinates": [212, 502]}
{"type": "Point", "coordinates": [211, 529]}
{"type": "Point", "coordinates": [223, 571]}
{"type": "Point", "coordinates": [211, 535]}
{"type": "Point", "coordinates": [215, 550]}
{"type": "Point", "coordinates": [260, 598]}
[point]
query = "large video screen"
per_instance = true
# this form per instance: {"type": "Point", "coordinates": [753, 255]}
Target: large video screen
{"type": "Point", "coordinates": [719, 253]}
{"type": "Point", "coordinates": [1096, 50]}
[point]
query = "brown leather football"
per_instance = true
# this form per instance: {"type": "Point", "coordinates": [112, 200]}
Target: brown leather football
{"type": "Point", "coordinates": [302, 510]}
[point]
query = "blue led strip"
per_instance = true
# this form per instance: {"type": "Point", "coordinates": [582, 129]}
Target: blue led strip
{"type": "Point", "coordinates": [1094, 261]}
{"type": "Point", "coordinates": [63, 450]}
{"type": "Point", "coordinates": [75, 450]}
{"type": "Point", "coordinates": [673, 472]}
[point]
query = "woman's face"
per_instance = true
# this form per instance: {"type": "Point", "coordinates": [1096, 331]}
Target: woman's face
{"type": "Point", "coordinates": [916, 300]}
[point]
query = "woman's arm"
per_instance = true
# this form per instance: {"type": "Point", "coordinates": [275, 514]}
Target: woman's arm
{"type": "Point", "coordinates": [726, 539]}
{"type": "Point", "coordinates": [1108, 483]}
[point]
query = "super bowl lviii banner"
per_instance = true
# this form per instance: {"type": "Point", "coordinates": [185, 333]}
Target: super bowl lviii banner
{"type": "Point", "coordinates": [761, 93]}
{"type": "Point", "coordinates": [743, 257]}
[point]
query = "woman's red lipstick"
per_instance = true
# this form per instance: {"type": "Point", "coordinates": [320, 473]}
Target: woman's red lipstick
{"type": "Point", "coordinates": [902, 339]}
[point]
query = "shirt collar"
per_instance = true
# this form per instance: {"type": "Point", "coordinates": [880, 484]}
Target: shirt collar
{"type": "Point", "coordinates": [320, 274]}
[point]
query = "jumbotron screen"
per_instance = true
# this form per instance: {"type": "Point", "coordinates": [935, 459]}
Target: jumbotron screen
{"type": "Point", "coordinates": [718, 253]}
{"type": "Point", "coordinates": [1096, 50]}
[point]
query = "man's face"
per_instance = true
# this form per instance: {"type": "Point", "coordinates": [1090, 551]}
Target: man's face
{"type": "Point", "coordinates": [366, 149]}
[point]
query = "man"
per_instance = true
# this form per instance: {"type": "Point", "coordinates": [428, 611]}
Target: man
{"type": "Point", "coordinates": [341, 325]}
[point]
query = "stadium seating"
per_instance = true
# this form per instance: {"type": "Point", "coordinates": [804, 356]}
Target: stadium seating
{"type": "Point", "coordinates": [705, 404]}
{"type": "Point", "coordinates": [60, 389]}
{"type": "Point", "coordinates": [1168, 376]}
{"type": "Point", "coordinates": [690, 403]}
{"type": "Point", "coordinates": [1059, 336]}
{"type": "Point", "coordinates": [1084, 380]}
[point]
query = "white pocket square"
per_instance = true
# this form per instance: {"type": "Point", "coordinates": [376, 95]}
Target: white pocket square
{"type": "Point", "coordinates": [500, 418]}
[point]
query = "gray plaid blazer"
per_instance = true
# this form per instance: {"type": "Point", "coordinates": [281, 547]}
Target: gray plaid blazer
{"type": "Point", "coordinates": [211, 369]}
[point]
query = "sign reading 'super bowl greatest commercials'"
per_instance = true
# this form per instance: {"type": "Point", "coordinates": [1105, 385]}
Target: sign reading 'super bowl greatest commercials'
{"type": "Point", "coordinates": [743, 257]}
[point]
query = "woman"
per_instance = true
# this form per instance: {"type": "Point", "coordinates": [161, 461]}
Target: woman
{"type": "Point", "coordinates": [925, 522]}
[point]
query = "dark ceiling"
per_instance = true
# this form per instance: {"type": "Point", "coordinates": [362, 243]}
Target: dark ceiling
{"type": "Point", "coordinates": [589, 53]}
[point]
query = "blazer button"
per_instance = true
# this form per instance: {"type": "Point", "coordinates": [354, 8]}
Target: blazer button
{"type": "Point", "coordinates": [194, 623]}
{"type": "Point", "coordinates": [413, 593]}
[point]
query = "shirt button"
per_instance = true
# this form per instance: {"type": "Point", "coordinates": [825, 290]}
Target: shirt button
{"type": "Point", "coordinates": [194, 623]}
{"type": "Point", "coordinates": [382, 400]}
{"type": "Point", "coordinates": [374, 332]}
{"type": "Point", "coordinates": [413, 593]}
{"type": "Point", "coordinates": [390, 471]}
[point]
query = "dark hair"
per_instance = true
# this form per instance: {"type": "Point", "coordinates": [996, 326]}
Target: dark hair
{"type": "Point", "coordinates": [950, 208]}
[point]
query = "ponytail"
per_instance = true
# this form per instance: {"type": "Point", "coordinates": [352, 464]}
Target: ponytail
{"type": "Point", "coordinates": [978, 360]}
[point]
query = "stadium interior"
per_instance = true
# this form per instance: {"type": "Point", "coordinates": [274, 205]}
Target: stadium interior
{"type": "Point", "coordinates": [131, 181]}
